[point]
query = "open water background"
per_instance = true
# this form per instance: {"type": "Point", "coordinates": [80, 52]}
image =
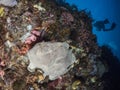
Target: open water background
{"type": "Point", "coordinates": [100, 10]}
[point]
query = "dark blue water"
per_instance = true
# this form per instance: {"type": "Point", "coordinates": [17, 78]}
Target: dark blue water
{"type": "Point", "coordinates": [100, 10]}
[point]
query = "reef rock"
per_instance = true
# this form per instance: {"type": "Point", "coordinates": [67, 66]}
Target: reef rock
{"type": "Point", "coordinates": [54, 58]}
{"type": "Point", "coordinates": [9, 3]}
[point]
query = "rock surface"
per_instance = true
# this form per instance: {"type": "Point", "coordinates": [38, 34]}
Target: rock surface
{"type": "Point", "coordinates": [9, 3]}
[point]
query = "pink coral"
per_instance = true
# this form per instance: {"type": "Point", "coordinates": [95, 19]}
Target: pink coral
{"type": "Point", "coordinates": [30, 39]}
{"type": "Point", "coordinates": [33, 36]}
{"type": "Point", "coordinates": [2, 73]}
{"type": "Point", "coordinates": [37, 33]}
{"type": "Point", "coordinates": [2, 63]}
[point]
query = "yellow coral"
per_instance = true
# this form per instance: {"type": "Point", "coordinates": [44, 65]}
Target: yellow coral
{"type": "Point", "coordinates": [39, 7]}
{"type": "Point", "coordinates": [76, 84]}
{"type": "Point", "coordinates": [2, 12]}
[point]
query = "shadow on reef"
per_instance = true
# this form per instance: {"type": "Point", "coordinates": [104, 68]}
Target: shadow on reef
{"type": "Point", "coordinates": [112, 77]}
{"type": "Point", "coordinates": [100, 25]}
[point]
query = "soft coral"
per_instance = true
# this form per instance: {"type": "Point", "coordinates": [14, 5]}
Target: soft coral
{"type": "Point", "coordinates": [32, 39]}
{"type": "Point", "coordinates": [33, 36]}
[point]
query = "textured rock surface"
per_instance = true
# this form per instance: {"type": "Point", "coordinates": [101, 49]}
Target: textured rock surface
{"type": "Point", "coordinates": [10, 3]}
{"type": "Point", "coordinates": [53, 58]}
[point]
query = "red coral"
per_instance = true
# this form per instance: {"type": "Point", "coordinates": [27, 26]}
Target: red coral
{"type": "Point", "coordinates": [24, 49]}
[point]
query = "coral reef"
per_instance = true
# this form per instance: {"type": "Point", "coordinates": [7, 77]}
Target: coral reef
{"type": "Point", "coordinates": [33, 22]}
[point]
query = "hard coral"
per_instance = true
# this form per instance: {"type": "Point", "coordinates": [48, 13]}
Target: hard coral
{"type": "Point", "coordinates": [67, 18]}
